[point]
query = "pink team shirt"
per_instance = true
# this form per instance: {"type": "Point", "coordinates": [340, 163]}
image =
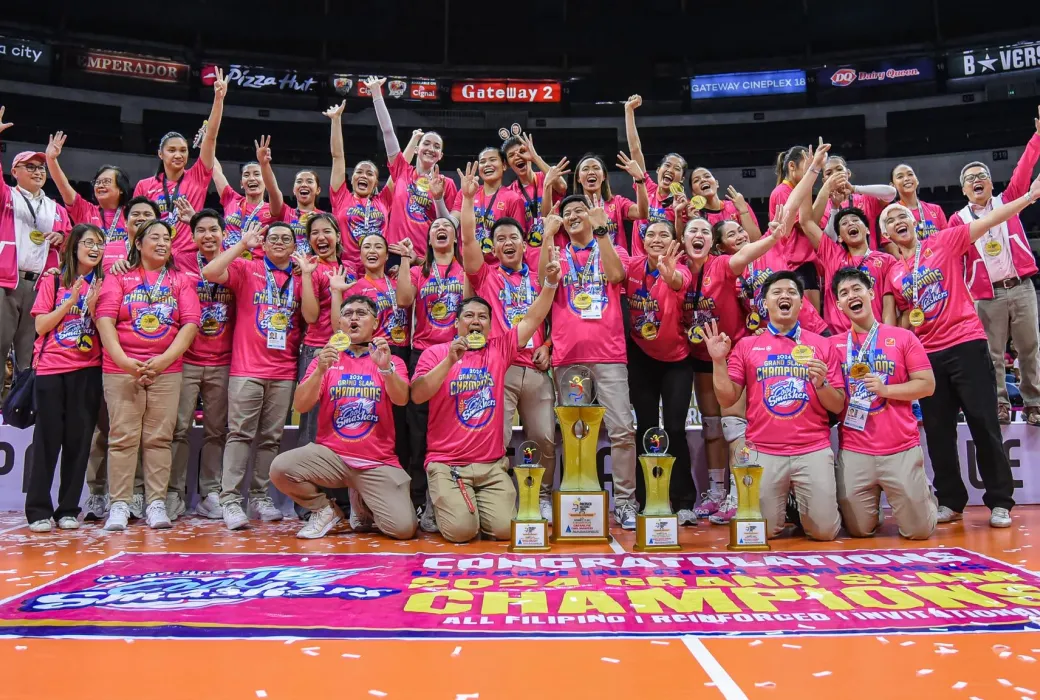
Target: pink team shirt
{"type": "Point", "coordinates": [297, 221]}
{"type": "Point", "coordinates": [728, 212]}
{"type": "Point", "coordinates": [355, 416]}
{"type": "Point", "coordinates": [834, 256]}
{"type": "Point", "coordinates": [750, 287]}
{"type": "Point", "coordinates": [587, 340]}
{"type": "Point", "coordinates": [784, 413]}
{"type": "Point", "coordinates": [466, 412]}
{"type": "Point", "coordinates": [212, 344]}
{"type": "Point", "coordinates": [510, 293]}
{"type": "Point", "coordinates": [147, 318]}
{"type": "Point", "coordinates": [949, 312]}
{"type": "Point", "coordinates": [360, 216]}
{"type": "Point", "coordinates": [655, 311]}
{"type": "Point", "coordinates": [657, 212]}
{"type": "Point", "coordinates": [318, 333]}
{"type": "Point", "coordinates": [718, 301]}
{"type": "Point", "coordinates": [531, 196]}
{"type": "Point", "coordinates": [797, 248]}
{"type": "Point", "coordinates": [192, 186]}
{"type": "Point", "coordinates": [413, 209]}
{"type": "Point", "coordinates": [932, 216]}
{"type": "Point", "coordinates": [240, 214]}
{"type": "Point", "coordinates": [489, 209]}
{"type": "Point", "coordinates": [71, 345]}
{"type": "Point", "coordinates": [437, 300]}
{"type": "Point", "coordinates": [891, 426]}
{"type": "Point", "coordinates": [617, 212]}
{"type": "Point", "coordinates": [254, 310]}
{"type": "Point", "coordinates": [108, 220]}
{"type": "Point", "coordinates": [394, 322]}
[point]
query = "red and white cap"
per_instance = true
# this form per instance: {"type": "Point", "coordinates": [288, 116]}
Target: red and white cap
{"type": "Point", "coordinates": [26, 156]}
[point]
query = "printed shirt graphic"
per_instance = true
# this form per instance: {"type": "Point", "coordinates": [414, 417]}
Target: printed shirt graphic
{"type": "Point", "coordinates": [719, 301]}
{"type": "Point", "coordinates": [891, 426]}
{"type": "Point", "coordinates": [74, 343]}
{"type": "Point", "coordinates": [784, 413]}
{"type": "Point", "coordinates": [506, 203]}
{"type": "Point", "coordinates": [436, 304]}
{"type": "Point", "coordinates": [413, 209]}
{"type": "Point", "coordinates": [532, 205]}
{"type": "Point", "coordinates": [250, 356]}
{"type": "Point", "coordinates": [193, 185]}
{"type": "Point", "coordinates": [355, 416]}
{"type": "Point", "coordinates": [395, 323]}
{"type": "Point", "coordinates": [111, 222]}
{"type": "Point", "coordinates": [147, 324]}
{"type": "Point", "coordinates": [582, 341]}
{"type": "Point", "coordinates": [949, 312]}
{"type": "Point", "coordinates": [297, 220]}
{"type": "Point", "coordinates": [359, 217]}
{"type": "Point", "coordinates": [506, 287]}
{"type": "Point", "coordinates": [239, 214]}
{"type": "Point", "coordinates": [834, 256]}
{"type": "Point", "coordinates": [212, 344]}
{"type": "Point", "coordinates": [655, 311]}
{"type": "Point", "coordinates": [466, 412]}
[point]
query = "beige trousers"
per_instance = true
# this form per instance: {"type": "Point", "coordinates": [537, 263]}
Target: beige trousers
{"type": "Point", "coordinates": [531, 391]}
{"type": "Point", "coordinates": [257, 410]}
{"type": "Point", "coordinates": [212, 383]}
{"type": "Point", "coordinates": [97, 463]}
{"type": "Point", "coordinates": [861, 479]}
{"type": "Point", "coordinates": [488, 488]}
{"type": "Point", "coordinates": [812, 476]}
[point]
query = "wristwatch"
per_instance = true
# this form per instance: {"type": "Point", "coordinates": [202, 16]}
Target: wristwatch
{"type": "Point", "coordinates": [389, 370]}
{"type": "Point", "coordinates": [600, 231]}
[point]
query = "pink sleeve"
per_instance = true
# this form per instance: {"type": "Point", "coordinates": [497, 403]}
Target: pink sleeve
{"type": "Point", "coordinates": [914, 355]}
{"type": "Point", "coordinates": [1020, 179]}
{"type": "Point", "coordinates": [402, 171]}
{"type": "Point", "coordinates": [236, 272]}
{"type": "Point", "coordinates": [340, 199]}
{"type": "Point", "coordinates": [456, 201]}
{"type": "Point", "coordinates": [957, 238]}
{"type": "Point", "coordinates": [735, 366]}
{"type": "Point", "coordinates": [228, 198]}
{"type": "Point", "coordinates": [942, 222]}
{"type": "Point", "coordinates": [110, 298]}
{"type": "Point", "coordinates": [777, 197]}
{"type": "Point", "coordinates": [687, 276]}
{"type": "Point", "coordinates": [415, 272]}
{"type": "Point", "coordinates": [829, 253]}
{"type": "Point", "coordinates": [310, 370]}
{"type": "Point", "coordinates": [400, 367]}
{"type": "Point", "coordinates": [188, 302]}
{"type": "Point", "coordinates": [509, 345]}
{"type": "Point", "coordinates": [427, 361]}
{"type": "Point", "coordinates": [139, 188]}
{"type": "Point", "coordinates": [386, 195]}
{"type": "Point", "coordinates": [44, 302]}
{"type": "Point", "coordinates": [893, 287]}
{"type": "Point", "coordinates": [954, 220]}
{"type": "Point", "coordinates": [834, 375]}
{"type": "Point", "coordinates": [622, 253]}
{"type": "Point", "coordinates": [200, 174]}
{"type": "Point", "coordinates": [872, 207]}
{"type": "Point", "coordinates": [477, 280]}
{"type": "Point", "coordinates": [624, 206]}
{"type": "Point", "coordinates": [81, 211]}
{"type": "Point", "coordinates": [516, 209]}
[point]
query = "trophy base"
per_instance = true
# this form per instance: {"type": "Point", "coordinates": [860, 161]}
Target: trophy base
{"type": "Point", "coordinates": [580, 517]}
{"type": "Point", "coordinates": [529, 536]}
{"type": "Point", "coordinates": [657, 533]}
{"type": "Point", "coordinates": [747, 535]}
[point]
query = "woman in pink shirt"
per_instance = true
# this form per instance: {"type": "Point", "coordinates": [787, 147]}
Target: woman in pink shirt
{"type": "Point", "coordinates": [791, 167]}
{"type": "Point", "coordinates": [929, 217]}
{"type": "Point", "coordinates": [306, 188]}
{"type": "Point", "coordinates": [68, 379]}
{"type": "Point", "coordinates": [147, 318]}
{"type": "Point", "coordinates": [241, 210]}
{"type": "Point", "coordinates": [838, 192]}
{"type": "Point", "coordinates": [492, 201]}
{"type": "Point", "coordinates": [593, 182]}
{"type": "Point", "coordinates": [733, 208]}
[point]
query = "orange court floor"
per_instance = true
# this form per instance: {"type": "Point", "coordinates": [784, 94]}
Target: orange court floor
{"type": "Point", "coordinates": [973, 665]}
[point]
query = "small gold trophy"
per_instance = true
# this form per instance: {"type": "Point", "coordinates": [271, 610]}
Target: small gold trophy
{"type": "Point", "coordinates": [529, 531]}
{"type": "Point", "coordinates": [580, 506]}
{"type": "Point", "coordinates": [747, 529]}
{"type": "Point", "coordinates": [657, 528]}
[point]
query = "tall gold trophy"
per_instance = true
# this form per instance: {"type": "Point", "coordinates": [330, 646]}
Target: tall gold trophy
{"type": "Point", "coordinates": [529, 531]}
{"type": "Point", "coordinates": [747, 529]}
{"type": "Point", "coordinates": [580, 506]}
{"type": "Point", "coordinates": [657, 528]}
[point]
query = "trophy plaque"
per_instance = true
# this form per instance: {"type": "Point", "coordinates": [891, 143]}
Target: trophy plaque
{"type": "Point", "coordinates": [657, 528]}
{"type": "Point", "coordinates": [747, 530]}
{"type": "Point", "coordinates": [580, 506]}
{"type": "Point", "coordinates": [529, 531]}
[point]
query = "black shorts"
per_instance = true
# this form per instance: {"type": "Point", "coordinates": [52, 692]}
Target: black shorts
{"type": "Point", "coordinates": [806, 272]}
{"type": "Point", "coordinates": [701, 366]}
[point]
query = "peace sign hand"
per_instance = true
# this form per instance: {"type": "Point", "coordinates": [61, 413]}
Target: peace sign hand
{"type": "Point", "coordinates": [597, 214]}
{"type": "Point", "coordinates": [552, 269]}
{"type": "Point", "coordinates": [263, 150]}
{"type": "Point", "coordinates": [375, 86]}
{"type": "Point", "coordinates": [552, 223]}
{"type": "Point", "coordinates": [220, 84]}
{"type": "Point", "coordinates": [820, 155]}
{"type": "Point", "coordinates": [437, 184]}
{"type": "Point", "coordinates": [718, 344]}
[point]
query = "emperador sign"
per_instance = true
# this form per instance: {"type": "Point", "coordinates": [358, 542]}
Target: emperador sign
{"type": "Point", "coordinates": [494, 595]}
{"type": "Point", "coordinates": [993, 61]}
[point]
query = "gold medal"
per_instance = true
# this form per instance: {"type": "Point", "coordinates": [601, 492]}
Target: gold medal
{"type": "Point", "coordinates": [696, 335]}
{"type": "Point", "coordinates": [85, 344]}
{"type": "Point", "coordinates": [397, 335]}
{"type": "Point", "coordinates": [753, 321]}
{"type": "Point", "coordinates": [247, 255]}
{"type": "Point", "coordinates": [699, 202]}
{"type": "Point", "coordinates": [802, 354]}
{"type": "Point", "coordinates": [422, 184]}
{"type": "Point", "coordinates": [149, 323]}
{"type": "Point", "coordinates": [37, 237]}
{"type": "Point", "coordinates": [916, 317]}
{"type": "Point", "coordinates": [210, 325]}
{"type": "Point", "coordinates": [476, 341]}
{"type": "Point", "coordinates": [279, 322]}
{"type": "Point", "coordinates": [859, 370]}
{"type": "Point", "coordinates": [486, 246]}
{"type": "Point", "coordinates": [340, 341]}
{"type": "Point", "coordinates": [993, 248]}
{"type": "Point", "coordinates": [439, 311]}
{"type": "Point", "coordinates": [582, 300]}
{"type": "Point", "coordinates": [675, 188]}
{"type": "Point", "coordinates": [648, 331]}
{"type": "Point", "coordinates": [516, 318]}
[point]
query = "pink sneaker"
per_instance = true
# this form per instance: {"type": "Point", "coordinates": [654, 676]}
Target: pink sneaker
{"type": "Point", "coordinates": [709, 504]}
{"type": "Point", "coordinates": [727, 509]}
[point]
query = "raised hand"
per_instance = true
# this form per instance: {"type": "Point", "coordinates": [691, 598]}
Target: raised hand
{"type": "Point", "coordinates": [54, 238]}
{"type": "Point", "coordinates": [1034, 189]}
{"type": "Point", "coordinates": [527, 152]}
{"type": "Point", "coordinates": [263, 150]}
{"type": "Point", "coordinates": [437, 184]}
{"type": "Point", "coordinates": [306, 263]}
{"type": "Point", "coordinates": [666, 263]}
{"type": "Point", "coordinates": [633, 103]}
{"type": "Point", "coordinates": [416, 134]}
{"type": "Point", "coordinates": [253, 235]}
{"type": "Point", "coordinates": [340, 280]}
{"type": "Point", "coordinates": [820, 155]}
{"type": "Point", "coordinates": [737, 198]}
{"type": "Point", "coordinates": [4, 126]}
{"type": "Point", "coordinates": [553, 270]}
{"type": "Point", "coordinates": [468, 182]}
{"type": "Point", "coordinates": [327, 357]}
{"type": "Point", "coordinates": [557, 171]}
{"type": "Point", "coordinates": [184, 210]}
{"type": "Point", "coordinates": [718, 344]}
{"type": "Point", "coordinates": [220, 84]}
{"type": "Point", "coordinates": [457, 349]}
{"type": "Point", "coordinates": [335, 111]}
{"type": "Point", "coordinates": [374, 85]}
{"type": "Point", "coordinates": [552, 223]}
{"type": "Point", "coordinates": [597, 214]}
{"type": "Point", "coordinates": [120, 267]}
{"type": "Point", "coordinates": [77, 287]}
{"type": "Point", "coordinates": [629, 166]}
{"type": "Point", "coordinates": [54, 145]}
{"type": "Point", "coordinates": [379, 349]}
{"type": "Point", "coordinates": [679, 205]}
{"type": "Point", "coordinates": [777, 226]}
{"type": "Point", "coordinates": [817, 371]}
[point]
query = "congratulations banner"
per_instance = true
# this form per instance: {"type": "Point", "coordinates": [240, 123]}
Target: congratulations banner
{"type": "Point", "coordinates": [386, 595]}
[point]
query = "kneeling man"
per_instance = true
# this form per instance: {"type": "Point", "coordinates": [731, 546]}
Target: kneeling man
{"type": "Point", "coordinates": [885, 368]}
{"type": "Point", "coordinates": [464, 381]}
{"type": "Point", "coordinates": [355, 391]}
{"type": "Point", "coordinates": [793, 379]}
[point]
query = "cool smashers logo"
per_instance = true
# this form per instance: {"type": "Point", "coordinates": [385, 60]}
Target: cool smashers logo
{"type": "Point", "coordinates": [783, 381]}
{"type": "Point", "coordinates": [474, 394]}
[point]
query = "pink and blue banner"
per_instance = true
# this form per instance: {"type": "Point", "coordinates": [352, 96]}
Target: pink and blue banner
{"type": "Point", "coordinates": [495, 595]}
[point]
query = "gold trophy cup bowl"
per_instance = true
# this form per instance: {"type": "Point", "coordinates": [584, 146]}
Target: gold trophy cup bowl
{"type": "Point", "coordinates": [747, 530]}
{"type": "Point", "coordinates": [529, 531]}
{"type": "Point", "coordinates": [657, 528]}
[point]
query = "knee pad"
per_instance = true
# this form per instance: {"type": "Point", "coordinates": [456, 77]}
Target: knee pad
{"type": "Point", "coordinates": [712, 427]}
{"type": "Point", "coordinates": [733, 427]}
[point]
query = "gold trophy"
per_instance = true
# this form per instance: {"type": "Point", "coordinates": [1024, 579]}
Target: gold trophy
{"type": "Point", "coordinates": [747, 529]}
{"type": "Point", "coordinates": [657, 528]}
{"type": "Point", "coordinates": [580, 506]}
{"type": "Point", "coordinates": [529, 531]}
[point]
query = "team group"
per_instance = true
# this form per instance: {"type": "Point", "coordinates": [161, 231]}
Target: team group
{"type": "Point", "coordinates": [410, 324]}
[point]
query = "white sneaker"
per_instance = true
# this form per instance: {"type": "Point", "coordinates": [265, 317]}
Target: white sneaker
{"type": "Point", "coordinates": [95, 508]}
{"type": "Point", "coordinates": [428, 521]}
{"type": "Point", "coordinates": [687, 516]}
{"type": "Point", "coordinates": [68, 523]}
{"type": "Point", "coordinates": [209, 507]}
{"type": "Point", "coordinates": [118, 517]}
{"type": "Point", "coordinates": [361, 519]}
{"type": "Point", "coordinates": [1000, 517]}
{"type": "Point", "coordinates": [156, 515]}
{"type": "Point", "coordinates": [263, 509]}
{"type": "Point", "coordinates": [949, 515]}
{"type": "Point", "coordinates": [545, 506]}
{"type": "Point", "coordinates": [726, 512]}
{"type": "Point", "coordinates": [40, 526]}
{"type": "Point", "coordinates": [136, 506]}
{"type": "Point", "coordinates": [174, 505]}
{"type": "Point", "coordinates": [320, 523]}
{"type": "Point", "coordinates": [625, 515]}
{"type": "Point", "coordinates": [234, 517]}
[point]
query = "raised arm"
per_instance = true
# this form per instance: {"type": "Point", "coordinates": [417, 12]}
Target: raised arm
{"type": "Point", "coordinates": [386, 125]}
{"type": "Point", "coordinates": [747, 220]}
{"type": "Point", "coordinates": [406, 291]}
{"type": "Point", "coordinates": [339, 160]}
{"type": "Point", "coordinates": [641, 209]}
{"type": "Point", "coordinates": [980, 226]}
{"type": "Point", "coordinates": [274, 195]}
{"type": "Point", "coordinates": [559, 184]}
{"type": "Point", "coordinates": [885, 193]}
{"type": "Point", "coordinates": [413, 145]}
{"type": "Point", "coordinates": [810, 228]}
{"type": "Point", "coordinates": [538, 310]}
{"type": "Point", "coordinates": [216, 270]}
{"type": "Point", "coordinates": [553, 176]}
{"type": "Point", "coordinates": [220, 180]}
{"type": "Point", "coordinates": [635, 146]}
{"type": "Point", "coordinates": [551, 223]}
{"type": "Point", "coordinates": [424, 387]}
{"type": "Point", "coordinates": [68, 194]}
{"type": "Point", "coordinates": [755, 250]}
{"type": "Point", "coordinates": [309, 305]}
{"type": "Point", "coordinates": [309, 390]}
{"type": "Point", "coordinates": [472, 257]}
{"type": "Point", "coordinates": [208, 148]}
{"type": "Point", "coordinates": [836, 182]}
{"type": "Point", "coordinates": [719, 344]}
{"type": "Point", "coordinates": [1019, 182]}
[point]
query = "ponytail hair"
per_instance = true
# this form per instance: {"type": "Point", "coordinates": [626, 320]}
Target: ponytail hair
{"type": "Point", "coordinates": [784, 159]}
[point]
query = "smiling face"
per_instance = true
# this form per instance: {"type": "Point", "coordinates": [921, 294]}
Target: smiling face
{"type": "Point", "coordinates": [835, 165]}
{"type": "Point", "coordinates": [373, 253]}
{"type": "Point", "coordinates": [431, 150]}
{"type": "Point", "coordinates": [515, 159]}
{"type": "Point", "coordinates": [509, 246]}
{"type": "Point", "coordinates": [904, 179]}
{"type": "Point", "coordinates": [323, 239]}
{"type": "Point", "coordinates": [207, 236]}
{"type": "Point", "coordinates": [670, 170]}
{"type": "Point", "coordinates": [853, 231]}
{"type": "Point", "coordinates": [364, 178]}
{"type": "Point", "coordinates": [90, 249]}
{"type": "Point", "coordinates": [697, 239]}
{"type": "Point", "coordinates": [357, 321]}
{"type": "Point", "coordinates": [279, 245]}
{"type": "Point", "coordinates": [591, 175]}
{"type": "Point", "coordinates": [442, 235]}
{"type": "Point", "coordinates": [490, 166]}
{"type": "Point", "coordinates": [474, 317]}
{"type": "Point", "coordinates": [174, 154]}
{"type": "Point", "coordinates": [154, 244]}
{"type": "Point", "coordinates": [854, 299]}
{"type": "Point", "coordinates": [575, 218]}
{"type": "Point", "coordinates": [783, 302]}
{"type": "Point", "coordinates": [105, 190]}
{"type": "Point", "coordinates": [898, 223]}
{"type": "Point", "coordinates": [703, 183]}
{"type": "Point", "coordinates": [140, 214]}
{"type": "Point", "coordinates": [305, 188]}
{"type": "Point", "coordinates": [658, 237]}
{"type": "Point", "coordinates": [30, 175]}
{"type": "Point", "coordinates": [978, 185]}
{"type": "Point", "coordinates": [732, 238]}
{"type": "Point", "coordinates": [252, 181]}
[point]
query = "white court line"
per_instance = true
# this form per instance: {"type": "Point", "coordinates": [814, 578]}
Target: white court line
{"type": "Point", "coordinates": [12, 529]}
{"type": "Point", "coordinates": [616, 547]}
{"type": "Point", "coordinates": [722, 680]}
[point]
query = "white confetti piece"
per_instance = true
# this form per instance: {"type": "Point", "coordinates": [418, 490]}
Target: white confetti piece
{"type": "Point", "coordinates": [709, 684]}
{"type": "Point", "coordinates": [351, 656]}
{"type": "Point", "coordinates": [261, 693]}
{"type": "Point", "coordinates": [765, 684]}
{"type": "Point", "coordinates": [377, 693]}
{"type": "Point", "coordinates": [310, 651]}
{"type": "Point", "coordinates": [1004, 682]}
{"type": "Point", "coordinates": [755, 643]}
{"type": "Point", "coordinates": [924, 672]}
{"type": "Point", "coordinates": [20, 648]}
{"type": "Point", "coordinates": [821, 674]}
{"type": "Point", "coordinates": [907, 644]}
{"type": "Point", "coordinates": [945, 650]}
{"type": "Point", "coordinates": [456, 651]}
{"type": "Point", "coordinates": [659, 643]}
{"type": "Point", "coordinates": [791, 646]}
{"type": "Point", "coordinates": [943, 644]}
{"type": "Point", "coordinates": [1027, 659]}
{"type": "Point", "coordinates": [467, 696]}
{"type": "Point", "coordinates": [959, 685]}
{"type": "Point", "coordinates": [1026, 691]}
{"type": "Point", "coordinates": [610, 660]}
{"type": "Point", "coordinates": [1004, 654]}
{"type": "Point", "coordinates": [882, 640]}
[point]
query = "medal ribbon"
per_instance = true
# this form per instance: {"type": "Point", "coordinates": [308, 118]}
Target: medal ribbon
{"type": "Point", "coordinates": [153, 291]}
{"type": "Point", "coordinates": [35, 212]}
{"type": "Point", "coordinates": [589, 271]}
{"type": "Point", "coordinates": [275, 296]}
{"type": "Point", "coordinates": [530, 202]}
{"type": "Point", "coordinates": [110, 229]}
{"type": "Point", "coordinates": [867, 348]}
{"type": "Point", "coordinates": [525, 282]}
{"type": "Point", "coordinates": [392, 293]}
{"type": "Point", "coordinates": [917, 275]}
{"type": "Point", "coordinates": [210, 288]}
{"type": "Point", "coordinates": [253, 215]}
{"type": "Point", "coordinates": [167, 206]}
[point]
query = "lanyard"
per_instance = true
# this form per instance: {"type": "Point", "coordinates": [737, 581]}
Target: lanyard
{"type": "Point", "coordinates": [35, 212]}
{"type": "Point", "coordinates": [697, 291]}
{"type": "Point", "coordinates": [168, 206]}
{"type": "Point", "coordinates": [209, 287]}
{"type": "Point", "coordinates": [153, 291]}
{"type": "Point", "coordinates": [368, 212]}
{"type": "Point", "coordinates": [916, 274]}
{"type": "Point", "coordinates": [253, 215]}
{"type": "Point", "coordinates": [747, 282]}
{"type": "Point", "coordinates": [278, 298]}
{"type": "Point", "coordinates": [110, 229]}
{"type": "Point", "coordinates": [591, 269]}
{"type": "Point", "coordinates": [488, 212]}
{"type": "Point", "coordinates": [392, 293]}
{"type": "Point", "coordinates": [525, 280]}
{"type": "Point", "coordinates": [530, 203]}
{"type": "Point", "coordinates": [436, 274]}
{"type": "Point", "coordinates": [867, 348]}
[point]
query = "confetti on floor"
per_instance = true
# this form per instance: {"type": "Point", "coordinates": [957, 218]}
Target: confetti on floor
{"type": "Point", "coordinates": [377, 693]}
{"type": "Point", "coordinates": [261, 693]}
{"type": "Point", "coordinates": [791, 646]}
{"type": "Point", "coordinates": [456, 651]}
{"type": "Point", "coordinates": [959, 685]}
{"type": "Point", "coordinates": [924, 672]}
{"type": "Point", "coordinates": [610, 660]}
{"type": "Point", "coordinates": [765, 684]}
{"type": "Point", "coordinates": [755, 643]}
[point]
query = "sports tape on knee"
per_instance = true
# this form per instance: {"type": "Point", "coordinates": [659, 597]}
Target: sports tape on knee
{"type": "Point", "coordinates": [733, 427]}
{"type": "Point", "coordinates": [712, 427]}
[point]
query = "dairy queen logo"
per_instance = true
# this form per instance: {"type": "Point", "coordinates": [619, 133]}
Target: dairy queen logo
{"type": "Point", "coordinates": [843, 77]}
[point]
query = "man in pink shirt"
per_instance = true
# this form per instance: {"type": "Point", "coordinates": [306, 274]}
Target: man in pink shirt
{"type": "Point", "coordinates": [355, 390]}
{"type": "Point", "coordinates": [464, 381]}
{"type": "Point", "coordinates": [793, 380]}
{"type": "Point", "coordinates": [885, 369]}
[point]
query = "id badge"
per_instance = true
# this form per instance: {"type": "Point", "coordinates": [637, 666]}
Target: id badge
{"type": "Point", "coordinates": [530, 344]}
{"type": "Point", "coordinates": [856, 415]}
{"type": "Point", "coordinates": [595, 310]}
{"type": "Point", "coordinates": [275, 339]}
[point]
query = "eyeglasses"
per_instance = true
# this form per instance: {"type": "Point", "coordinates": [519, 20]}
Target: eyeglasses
{"type": "Point", "coordinates": [33, 167]}
{"type": "Point", "coordinates": [105, 182]}
{"type": "Point", "coordinates": [981, 177]}
{"type": "Point", "coordinates": [356, 313]}
{"type": "Point", "coordinates": [92, 245]}
{"type": "Point", "coordinates": [281, 239]}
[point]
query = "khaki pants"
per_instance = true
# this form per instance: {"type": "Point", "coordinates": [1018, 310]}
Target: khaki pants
{"type": "Point", "coordinates": [212, 383]}
{"type": "Point", "coordinates": [860, 480]}
{"type": "Point", "coordinates": [611, 385]}
{"type": "Point", "coordinates": [1014, 310]}
{"type": "Point", "coordinates": [141, 418]}
{"type": "Point", "coordinates": [97, 463]}
{"type": "Point", "coordinates": [812, 476]}
{"type": "Point", "coordinates": [257, 409]}
{"type": "Point", "coordinates": [17, 327]}
{"type": "Point", "coordinates": [531, 391]}
{"type": "Point", "coordinates": [490, 490]}
{"type": "Point", "coordinates": [298, 474]}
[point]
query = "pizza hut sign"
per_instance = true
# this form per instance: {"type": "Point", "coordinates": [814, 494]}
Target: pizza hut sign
{"type": "Point", "coordinates": [260, 79]}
